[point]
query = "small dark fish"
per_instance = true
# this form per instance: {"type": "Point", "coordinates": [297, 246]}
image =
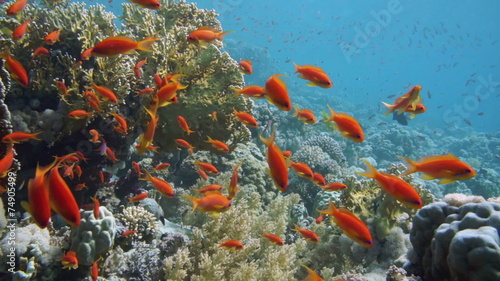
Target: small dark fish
{"type": "Point", "coordinates": [478, 98]}
{"type": "Point", "coordinates": [480, 113]}
{"type": "Point", "coordinates": [421, 137]}
{"type": "Point", "coordinates": [371, 116]}
{"type": "Point", "coordinates": [439, 106]}
{"type": "Point", "coordinates": [391, 96]}
{"type": "Point", "coordinates": [429, 94]}
{"type": "Point", "coordinates": [382, 124]}
{"type": "Point", "coordinates": [400, 118]}
{"type": "Point", "coordinates": [467, 122]}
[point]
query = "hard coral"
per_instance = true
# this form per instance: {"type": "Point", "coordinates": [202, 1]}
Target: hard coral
{"type": "Point", "coordinates": [456, 243]}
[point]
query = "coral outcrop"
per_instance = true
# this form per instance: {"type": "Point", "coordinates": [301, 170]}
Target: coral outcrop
{"type": "Point", "coordinates": [456, 243]}
{"type": "Point", "coordinates": [94, 236]}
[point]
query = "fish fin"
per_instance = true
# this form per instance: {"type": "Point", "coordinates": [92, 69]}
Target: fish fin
{"type": "Point", "coordinates": [331, 113]}
{"type": "Point", "coordinates": [6, 31]}
{"type": "Point", "coordinates": [269, 141]}
{"type": "Point", "coordinates": [296, 111]}
{"type": "Point", "coordinates": [437, 157]}
{"type": "Point", "coordinates": [411, 166]}
{"type": "Point", "coordinates": [145, 45]}
{"type": "Point", "coordinates": [446, 181]}
{"type": "Point", "coordinates": [26, 206]}
{"type": "Point", "coordinates": [427, 177]}
{"type": "Point", "coordinates": [390, 108]}
{"type": "Point", "coordinates": [330, 211]}
{"type": "Point", "coordinates": [193, 200]}
{"type": "Point", "coordinates": [370, 171]}
{"type": "Point", "coordinates": [221, 35]}
{"type": "Point", "coordinates": [312, 84]}
{"type": "Point", "coordinates": [412, 115]}
{"type": "Point", "coordinates": [131, 52]}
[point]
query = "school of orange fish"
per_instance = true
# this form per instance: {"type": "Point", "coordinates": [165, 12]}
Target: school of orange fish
{"type": "Point", "coordinates": [48, 190]}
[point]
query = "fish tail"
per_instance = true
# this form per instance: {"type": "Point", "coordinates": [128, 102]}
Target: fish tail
{"type": "Point", "coordinates": [390, 108]}
{"type": "Point", "coordinates": [370, 171]}
{"type": "Point", "coordinates": [145, 45]}
{"type": "Point", "coordinates": [194, 200]}
{"type": "Point", "coordinates": [40, 171]}
{"type": "Point", "coordinates": [270, 140]}
{"type": "Point", "coordinates": [221, 35]}
{"type": "Point", "coordinates": [296, 111]}
{"type": "Point", "coordinates": [332, 113]}
{"type": "Point", "coordinates": [210, 140]}
{"type": "Point", "coordinates": [297, 67]}
{"type": "Point", "coordinates": [330, 211]}
{"type": "Point", "coordinates": [411, 166]}
{"type": "Point", "coordinates": [297, 228]}
{"type": "Point", "coordinates": [148, 176]}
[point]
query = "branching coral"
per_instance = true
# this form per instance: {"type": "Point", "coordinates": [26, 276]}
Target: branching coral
{"type": "Point", "coordinates": [246, 221]}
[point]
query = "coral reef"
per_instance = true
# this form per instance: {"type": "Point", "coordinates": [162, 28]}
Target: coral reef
{"type": "Point", "coordinates": [136, 218]}
{"type": "Point", "coordinates": [94, 236]}
{"type": "Point", "coordinates": [456, 243]}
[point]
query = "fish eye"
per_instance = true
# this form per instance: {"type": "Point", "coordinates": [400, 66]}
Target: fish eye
{"type": "Point", "coordinates": [229, 205]}
{"type": "Point", "coordinates": [468, 171]}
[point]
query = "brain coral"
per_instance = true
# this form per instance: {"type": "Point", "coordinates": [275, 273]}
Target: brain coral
{"type": "Point", "coordinates": [453, 243]}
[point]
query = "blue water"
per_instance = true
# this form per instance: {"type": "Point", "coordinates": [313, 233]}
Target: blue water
{"type": "Point", "coordinates": [376, 49]}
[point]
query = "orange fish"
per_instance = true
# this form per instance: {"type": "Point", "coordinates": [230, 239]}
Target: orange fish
{"type": "Point", "coordinates": [278, 168]}
{"type": "Point", "coordinates": [202, 174]}
{"type": "Point", "coordinates": [419, 108]}
{"type": "Point", "coordinates": [184, 125]}
{"type": "Point", "coordinates": [316, 75]}
{"type": "Point", "coordinates": [352, 226]}
{"type": "Point", "coordinates": [207, 167]}
{"type": "Point", "coordinates": [16, 7]}
{"type": "Point", "coordinates": [137, 68]}
{"type": "Point", "coordinates": [302, 169]}
{"type": "Point", "coordinates": [86, 54]}
{"type": "Point", "coordinates": [138, 197]}
{"type": "Point", "coordinates": [106, 93]}
{"type": "Point", "coordinates": [40, 51]}
{"type": "Point", "coordinates": [232, 244]}
{"type": "Point", "coordinates": [309, 235]}
{"type": "Point", "coordinates": [162, 166]}
{"type": "Point", "coordinates": [319, 219]}
{"type": "Point", "coordinates": [446, 167]}
{"type": "Point", "coordinates": [149, 4]}
{"type": "Point", "coordinates": [52, 37]}
{"type": "Point", "coordinates": [252, 91]}
{"type": "Point", "coordinates": [246, 67]}
{"type": "Point", "coordinates": [275, 239]}
{"type": "Point", "coordinates": [312, 275]}
{"type": "Point", "coordinates": [347, 125]}
{"type": "Point", "coordinates": [128, 233]}
{"type": "Point", "coordinates": [113, 46]}
{"type": "Point", "coordinates": [185, 144]}
{"type": "Point", "coordinates": [205, 35]}
{"type": "Point", "coordinates": [38, 197]}
{"type": "Point", "coordinates": [61, 87]}
{"type": "Point", "coordinates": [6, 161]}
{"type": "Point", "coordinates": [122, 127]}
{"type": "Point", "coordinates": [219, 145]}
{"type": "Point", "coordinates": [96, 210]}
{"type": "Point", "coordinates": [80, 114]}
{"type": "Point", "coordinates": [137, 168]}
{"type": "Point", "coordinates": [277, 93]}
{"type": "Point", "coordinates": [233, 184]}
{"type": "Point", "coordinates": [95, 136]}
{"type": "Point", "coordinates": [411, 98]}
{"type": "Point", "coordinates": [80, 186]}
{"type": "Point", "coordinates": [213, 115]}
{"type": "Point", "coordinates": [162, 186]}
{"type": "Point", "coordinates": [209, 188]}
{"type": "Point", "coordinates": [69, 261]}
{"type": "Point", "coordinates": [61, 198]}
{"type": "Point", "coordinates": [18, 137]}
{"type": "Point", "coordinates": [336, 186]}
{"type": "Point", "coordinates": [20, 31]}
{"type": "Point", "coordinates": [146, 91]}
{"type": "Point", "coordinates": [305, 115]}
{"type": "Point", "coordinates": [246, 118]}
{"type": "Point", "coordinates": [146, 139]}
{"type": "Point", "coordinates": [94, 270]}
{"type": "Point", "coordinates": [287, 154]}
{"type": "Point", "coordinates": [212, 202]}
{"type": "Point", "coordinates": [110, 154]}
{"type": "Point", "coordinates": [395, 186]}
{"type": "Point", "coordinates": [169, 91]}
{"type": "Point", "coordinates": [16, 69]}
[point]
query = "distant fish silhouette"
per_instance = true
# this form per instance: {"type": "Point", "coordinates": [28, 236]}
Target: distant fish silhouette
{"type": "Point", "coordinates": [401, 118]}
